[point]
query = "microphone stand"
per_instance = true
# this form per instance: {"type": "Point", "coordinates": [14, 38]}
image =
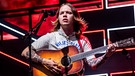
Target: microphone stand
{"type": "Point", "coordinates": [131, 63]}
{"type": "Point", "coordinates": [36, 28]}
{"type": "Point", "coordinates": [128, 56]}
{"type": "Point", "coordinates": [28, 36]}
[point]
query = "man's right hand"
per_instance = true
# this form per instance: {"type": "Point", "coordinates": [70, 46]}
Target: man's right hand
{"type": "Point", "coordinates": [52, 65]}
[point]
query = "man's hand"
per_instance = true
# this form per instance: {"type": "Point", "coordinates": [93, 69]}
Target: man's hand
{"type": "Point", "coordinates": [52, 65]}
{"type": "Point", "coordinates": [110, 50]}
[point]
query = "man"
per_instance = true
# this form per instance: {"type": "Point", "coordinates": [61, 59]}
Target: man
{"type": "Point", "coordinates": [67, 32]}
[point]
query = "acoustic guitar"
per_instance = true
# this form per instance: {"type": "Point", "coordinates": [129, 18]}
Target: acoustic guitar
{"type": "Point", "coordinates": [69, 56]}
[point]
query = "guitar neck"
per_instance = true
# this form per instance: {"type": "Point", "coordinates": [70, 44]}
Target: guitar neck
{"type": "Point", "coordinates": [122, 43]}
{"type": "Point", "coordinates": [88, 53]}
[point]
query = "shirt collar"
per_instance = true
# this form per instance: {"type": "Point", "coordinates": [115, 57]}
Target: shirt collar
{"type": "Point", "coordinates": [61, 32]}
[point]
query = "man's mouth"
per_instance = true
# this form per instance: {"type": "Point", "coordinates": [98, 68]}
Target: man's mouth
{"type": "Point", "coordinates": [65, 20]}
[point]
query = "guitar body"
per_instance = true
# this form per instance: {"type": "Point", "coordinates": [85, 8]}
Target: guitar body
{"type": "Point", "coordinates": [57, 56]}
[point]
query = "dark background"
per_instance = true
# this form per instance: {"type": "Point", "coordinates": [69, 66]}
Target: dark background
{"type": "Point", "coordinates": [99, 19]}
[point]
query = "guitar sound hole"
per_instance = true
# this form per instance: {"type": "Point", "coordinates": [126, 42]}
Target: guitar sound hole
{"type": "Point", "coordinates": [65, 61]}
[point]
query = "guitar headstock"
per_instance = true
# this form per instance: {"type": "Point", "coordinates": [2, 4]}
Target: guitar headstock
{"type": "Point", "coordinates": [125, 43]}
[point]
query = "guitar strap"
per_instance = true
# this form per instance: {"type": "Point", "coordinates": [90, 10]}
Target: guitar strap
{"type": "Point", "coordinates": [82, 71]}
{"type": "Point", "coordinates": [80, 45]}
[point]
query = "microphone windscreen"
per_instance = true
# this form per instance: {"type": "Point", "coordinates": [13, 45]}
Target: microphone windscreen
{"type": "Point", "coordinates": [51, 12]}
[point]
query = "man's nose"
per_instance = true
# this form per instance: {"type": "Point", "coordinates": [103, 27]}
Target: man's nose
{"type": "Point", "coordinates": [65, 14]}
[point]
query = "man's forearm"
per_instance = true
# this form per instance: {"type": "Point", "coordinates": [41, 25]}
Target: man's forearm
{"type": "Point", "coordinates": [34, 56]}
{"type": "Point", "coordinates": [94, 63]}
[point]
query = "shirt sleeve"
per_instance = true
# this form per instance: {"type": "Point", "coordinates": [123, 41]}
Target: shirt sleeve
{"type": "Point", "coordinates": [87, 47]}
{"type": "Point", "coordinates": [41, 42]}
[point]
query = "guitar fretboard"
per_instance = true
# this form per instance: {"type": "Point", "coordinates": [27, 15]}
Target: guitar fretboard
{"type": "Point", "coordinates": [88, 53]}
{"type": "Point", "coordinates": [121, 43]}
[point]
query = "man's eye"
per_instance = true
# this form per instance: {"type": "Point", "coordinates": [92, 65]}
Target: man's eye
{"type": "Point", "coordinates": [61, 13]}
{"type": "Point", "coordinates": [69, 12]}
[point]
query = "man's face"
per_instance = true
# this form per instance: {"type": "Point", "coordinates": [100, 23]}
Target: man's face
{"type": "Point", "coordinates": [66, 16]}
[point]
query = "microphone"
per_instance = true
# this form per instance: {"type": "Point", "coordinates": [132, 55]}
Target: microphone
{"type": "Point", "coordinates": [49, 12]}
{"type": "Point", "coordinates": [125, 52]}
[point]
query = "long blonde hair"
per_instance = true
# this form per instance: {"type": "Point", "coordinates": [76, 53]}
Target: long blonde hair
{"type": "Point", "coordinates": [80, 24]}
